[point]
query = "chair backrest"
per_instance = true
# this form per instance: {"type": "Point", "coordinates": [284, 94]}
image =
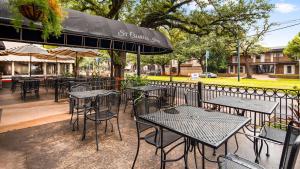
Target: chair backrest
{"type": "Point", "coordinates": [145, 105]}
{"type": "Point", "coordinates": [191, 97]}
{"type": "Point", "coordinates": [291, 146]}
{"type": "Point", "coordinates": [168, 96]}
{"type": "Point", "coordinates": [80, 88]}
{"type": "Point", "coordinates": [142, 106]}
{"type": "Point", "coordinates": [114, 102]}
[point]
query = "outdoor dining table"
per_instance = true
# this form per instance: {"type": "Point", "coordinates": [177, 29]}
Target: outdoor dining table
{"type": "Point", "coordinates": [148, 88]}
{"type": "Point", "coordinates": [87, 95]}
{"type": "Point", "coordinates": [260, 107]}
{"type": "Point", "coordinates": [210, 128]}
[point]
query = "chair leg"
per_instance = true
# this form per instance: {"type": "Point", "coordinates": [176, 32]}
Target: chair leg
{"type": "Point", "coordinates": [214, 152]}
{"type": "Point", "coordinates": [267, 154]}
{"type": "Point", "coordinates": [77, 122]}
{"type": "Point", "coordinates": [112, 127]}
{"type": "Point", "coordinates": [137, 152]}
{"type": "Point", "coordinates": [126, 102]}
{"type": "Point", "coordinates": [105, 126]}
{"type": "Point", "coordinates": [156, 150]}
{"type": "Point", "coordinates": [164, 163]}
{"type": "Point", "coordinates": [96, 132]}
{"type": "Point", "coordinates": [119, 128]}
{"type": "Point", "coordinates": [195, 157]}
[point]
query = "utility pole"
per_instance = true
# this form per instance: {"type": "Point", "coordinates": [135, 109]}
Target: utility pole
{"type": "Point", "coordinates": [206, 57]}
{"type": "Point", "coordinates": [238, 59]}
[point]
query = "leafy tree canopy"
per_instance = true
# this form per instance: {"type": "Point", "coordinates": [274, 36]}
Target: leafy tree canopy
{"type": "Point", "coordinates": [293, 48]}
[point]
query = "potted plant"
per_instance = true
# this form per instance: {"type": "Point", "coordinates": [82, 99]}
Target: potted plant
{"type": "Point", "coordinates": [47, 12]}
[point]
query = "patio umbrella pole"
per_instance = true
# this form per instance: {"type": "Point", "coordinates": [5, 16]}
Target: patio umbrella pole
{"type": "Point", "coordinates": [30, 64]}
{"type": "Point", "coordinates": [76, 67]}
{"type": "Point", "coordinates": [56, 66]}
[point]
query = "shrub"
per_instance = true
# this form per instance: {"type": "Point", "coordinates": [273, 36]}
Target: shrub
{"type": "Point", "coordinates": [284, 76]}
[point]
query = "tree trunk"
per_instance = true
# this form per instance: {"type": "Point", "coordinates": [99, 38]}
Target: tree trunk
{"type": "Point", "coordinates": [179, 69]}
{"type": "Point", "coordinates": [119, 64]}
{"type": "Point", "coordinates": [200, 60]}
{"type": "Point", "coordinates": [248, 68]}
{"type": "Point", "coordinates": [163, 70]}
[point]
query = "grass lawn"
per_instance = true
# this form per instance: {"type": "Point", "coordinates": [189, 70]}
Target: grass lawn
{"type": "Point", "coordinates": [276, 83]}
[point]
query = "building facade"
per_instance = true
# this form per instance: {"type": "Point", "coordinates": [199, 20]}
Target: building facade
{"type": "Point", "coordinates": [270, 62]}
{"type": "Point", "coordinates": [11, 65]}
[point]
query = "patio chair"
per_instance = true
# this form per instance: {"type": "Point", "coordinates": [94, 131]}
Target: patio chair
{"type": "Point", "coordinates": [129, 98]}
{"type": "Point", "coordinates": [112, 101]}
{"type": "Point", "coordinates": [78, 105]}
{"type": "Point", "coordinates": [145, 105]}
{"type": "Point", "coordinates": [274, 135]}
{"type": "Point", "coordinates": [191, 97]}
{"type": "Point", "coordinates": [288, 157]}
{"type": "Point", "coordinates": [30, 86]}
{"type": "Point", "coordinates": [168, 97]}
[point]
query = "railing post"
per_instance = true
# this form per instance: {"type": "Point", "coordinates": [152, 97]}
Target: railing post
{"type": "Point", "coordinates": [200, 94]}
{"type": "Point", "coordinates": [56, 90]}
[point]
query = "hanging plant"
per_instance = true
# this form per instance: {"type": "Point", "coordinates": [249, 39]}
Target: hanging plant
{"type": "Point", "coordinates": [47, 12]}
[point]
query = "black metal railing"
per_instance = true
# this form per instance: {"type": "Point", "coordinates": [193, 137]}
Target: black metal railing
{"type": "Point", "coordinates": [63, 86]}
{"type": "Point", "coordinates": [288, 98]}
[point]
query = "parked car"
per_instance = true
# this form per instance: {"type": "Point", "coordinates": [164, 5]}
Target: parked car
{"type": "Point", "coordinates": [209, 75]}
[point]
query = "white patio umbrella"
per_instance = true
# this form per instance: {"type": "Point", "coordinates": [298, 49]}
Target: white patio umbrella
{"type": "Point", "coordinates": [75, 53]}
{"type": "Point", "coordinates": [28, 50]}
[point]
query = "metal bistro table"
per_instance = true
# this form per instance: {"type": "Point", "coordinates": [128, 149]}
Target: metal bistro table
{"type": "Point", "coordinates": [209, 128]}
{"type": "Point", "coordinates": [147, 89]}
{"type": "Point", "coordinates": [261, 107]}
{"type": "Point", "coordinates": [85, 95]}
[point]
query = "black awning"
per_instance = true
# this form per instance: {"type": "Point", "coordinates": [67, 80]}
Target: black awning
{"type": "Point", "coordinates": [2, 46]}
{"type": "Point", "coordinates": [88, 31]}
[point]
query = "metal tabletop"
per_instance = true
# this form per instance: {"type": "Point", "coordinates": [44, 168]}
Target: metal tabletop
{"type": "Point", "coordinates": [260, 106]}
{"type": "Point", "coordinates": [208, 127]}
{"type": "Point", "coordinates": [147, 88]}
{"type": "Point", "coordinates": [88, 94]}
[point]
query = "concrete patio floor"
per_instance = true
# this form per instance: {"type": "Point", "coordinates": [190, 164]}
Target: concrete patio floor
{"type": "Point", "coordinates": [49, 142]}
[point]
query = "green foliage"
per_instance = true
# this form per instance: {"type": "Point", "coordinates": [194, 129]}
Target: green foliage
{"type": "Point", "coordinates": [293, 48]}
{"type": "Point", "coordinates": [133, 80]}
{"type": "Point", "coordinates": [67, 74]}
{"type": "Point", "coordinates": [51, 19]}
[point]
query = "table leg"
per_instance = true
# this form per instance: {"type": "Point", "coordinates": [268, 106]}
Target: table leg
{"type": "Point", "coordinates": [161, 149]}
{"type": "Point", "coordinates": [203, 156]}
{"type": "Point", "coordinates": [84, 124]}
{"type": "Point", "coordinates": [226, 148]}
{"type": "Point", "coordinates": [255, 140]}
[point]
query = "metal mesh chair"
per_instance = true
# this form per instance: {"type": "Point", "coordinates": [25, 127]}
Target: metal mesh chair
{"type": "Point", "coordinates": [288, 157]}
{"type": "Point", "coordinates": [30, 86]}
{"type": "Point", "coordinates": [145, 105]}
{"type": "Point", "coordinates": [168, 97]}
{"type": "Point", "coordinates": [129, 98]}
{"type": "Point", "coordinates": [77, 104]}
{"type": "Point", "coordinates": [191, 98]}
{"type": "Point", "coordinates": [112, 103]}
{"type": "Point", "coordinates": [271, 134]}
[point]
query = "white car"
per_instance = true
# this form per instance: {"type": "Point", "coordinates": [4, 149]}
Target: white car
{"type": "Point", "coordinates": [209, 75]}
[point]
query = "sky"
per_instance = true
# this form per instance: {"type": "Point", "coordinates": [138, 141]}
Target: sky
{"type": "Point", "coordinates": [284, 13]}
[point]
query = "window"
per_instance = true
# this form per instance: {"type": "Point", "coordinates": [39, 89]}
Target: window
{"type": "Point", "coordinates": [64, 68]}
{"type": "Point", "coordinates": [37, 68]}
{"type": "Point", "coordinates": [51, 68]}
{"type": "Point", "coordinates": [278, 54]}
{"type": "Point", "coordinates": [289, 69]}
{"type": "Point", "coordinates": [257, 58]}
{"type": "Point", "coordinates": [5, 68]}
{"type": "Point", "coordinates": [21, 68]}
{"type": "Point", "coordinates": [242, 69]}
{"type": "Point", "coordinates": [231, 69]}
